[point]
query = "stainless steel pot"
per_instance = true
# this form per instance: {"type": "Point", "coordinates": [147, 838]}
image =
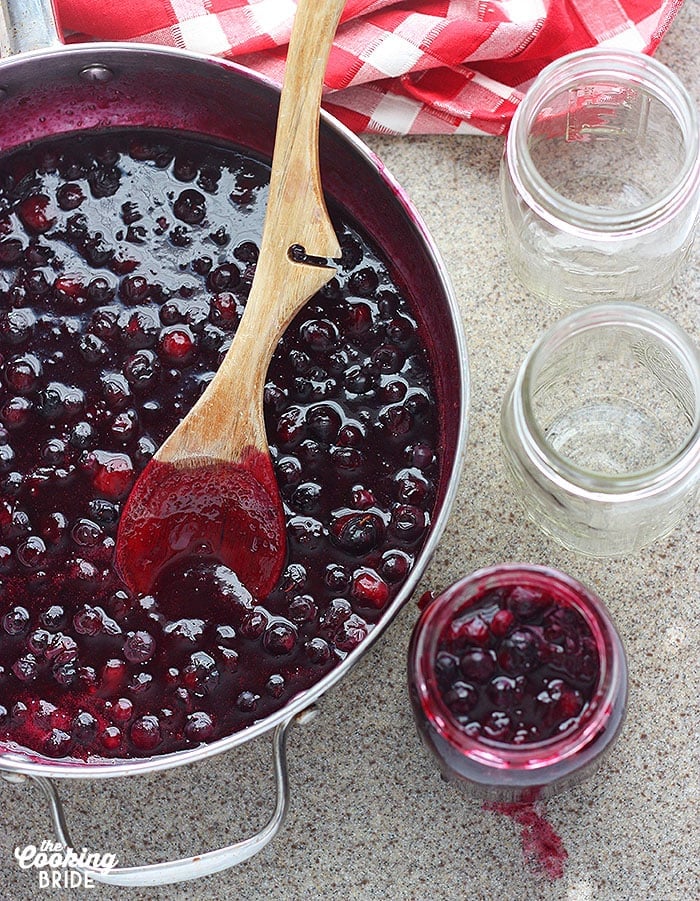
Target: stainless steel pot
{"type": "Point", "coordinates": [98, 86]}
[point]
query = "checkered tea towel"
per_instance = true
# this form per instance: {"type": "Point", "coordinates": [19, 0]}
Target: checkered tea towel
{"type": "Point", "coordinates": [413, 67]}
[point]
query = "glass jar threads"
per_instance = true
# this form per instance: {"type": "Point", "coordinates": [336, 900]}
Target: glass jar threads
{"type": "Point", "coordinates": [600, 179]}
{"type": "Point", "coordinates": [518, 681]}
{"type": "Point", "coordinates": [600, 429]}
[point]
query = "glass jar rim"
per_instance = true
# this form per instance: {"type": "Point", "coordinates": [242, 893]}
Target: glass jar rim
{"type": "Point", "coordinates": [577, 218]}
{"type": "Point", "coordinates": [534, 755]}
{"type": "Point", "coordinates": [672, 470]}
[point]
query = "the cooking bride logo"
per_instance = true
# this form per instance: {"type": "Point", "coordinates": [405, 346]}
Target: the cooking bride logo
{"type": "Point", "coordinates": [63, 867]}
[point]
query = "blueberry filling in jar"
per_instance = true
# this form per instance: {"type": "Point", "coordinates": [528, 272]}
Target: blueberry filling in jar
{"type": "Point", "coordinates": [125, 263]}
{"type": "Point", "coordinates": [517, 680]}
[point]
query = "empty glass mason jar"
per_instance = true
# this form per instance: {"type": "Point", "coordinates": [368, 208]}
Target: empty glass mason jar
{"type": "Point", "coordinates": [600, 429]}
{"type": "Point", "coordinates": [600, 179]}
{"type": "Point", "coordinates": [518, 681]}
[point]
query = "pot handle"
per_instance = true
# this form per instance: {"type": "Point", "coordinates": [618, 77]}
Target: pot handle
{"type": "Point", "coordinates": [27, 25]}
{"type": "Point", "coordinates": [198, 865]}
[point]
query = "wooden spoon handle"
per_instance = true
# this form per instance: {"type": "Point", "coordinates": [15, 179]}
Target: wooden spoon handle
{"type": "Point", "coordinates": [228, 418]}
{"type": "Point", "coordinates": [296, 210]}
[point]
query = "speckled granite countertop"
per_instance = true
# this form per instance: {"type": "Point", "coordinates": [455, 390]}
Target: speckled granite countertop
{"type": "Point", "coordinates": [370, 817]}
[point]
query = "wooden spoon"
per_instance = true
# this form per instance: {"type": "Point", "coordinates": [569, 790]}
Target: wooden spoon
{"type": "Point", "coordinates": [210, 489]}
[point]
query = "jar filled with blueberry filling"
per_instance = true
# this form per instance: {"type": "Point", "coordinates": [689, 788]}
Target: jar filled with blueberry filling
{"type": "Point", "coordinates": [518, 681]}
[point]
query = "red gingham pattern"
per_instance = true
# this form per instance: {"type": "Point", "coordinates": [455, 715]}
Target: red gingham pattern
{"type": "Point", "coordinates": [428, 66]}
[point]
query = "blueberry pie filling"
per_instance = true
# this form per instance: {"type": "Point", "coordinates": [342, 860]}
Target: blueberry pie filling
{"type": "Point", "coordinates": [125, 263]}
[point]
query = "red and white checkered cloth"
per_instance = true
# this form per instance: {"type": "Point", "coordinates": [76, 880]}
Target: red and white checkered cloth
{"type": "Point", "coordinates": [413, 67]}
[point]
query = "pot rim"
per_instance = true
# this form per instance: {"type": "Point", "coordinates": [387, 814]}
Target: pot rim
{"type": "Point", "coordinates": [13, 758]}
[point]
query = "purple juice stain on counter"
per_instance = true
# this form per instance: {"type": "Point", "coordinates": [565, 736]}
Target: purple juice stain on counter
{"type": "Point", "coordinates": [543, 849]}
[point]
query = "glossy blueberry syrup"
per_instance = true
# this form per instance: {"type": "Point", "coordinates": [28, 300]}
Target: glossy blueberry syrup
{"type": "Point", "coordinates": [125, 263]}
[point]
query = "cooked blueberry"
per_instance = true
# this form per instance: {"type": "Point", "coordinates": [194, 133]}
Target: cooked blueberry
{"type": "Point", "coordinates": [387, 358]}
{"type": "Point", "coordinates": [323, 422]}
{"type": "Point", "coordinates": [142, 369]}
{"type": "Point", "coordinates": [10, 251]}
{"type": "Point", "coordinates": [133, 289]}
{"type": "Point", "coordinates": [26, 668]}
{"type": "Point", "coordinates": [223, 278]}
{"type": "Point", "coordinates": [497, 726]}
{"type": "Point", "coordinates": [247, 252]}
{"type": "Point", "coordinates": [352, 253]}
{"type": "Point", "coordinates": [86, 533]}
{"type": "Point", "coordinates": [225, 310]}
{"type": "Point", "coordinates": [446, 668]}
{"type": "Point", "coordinates": [247, 701]}
{"type": "Point", "coordinates": [275, 685]}
{"type": "Point", "coordinates": [104, 182]}
{"type": "Point", "coordinates": [201, 674]}
{"type": "Point", "coordinates": [190, 206]}
{"type": "Point", "coordinates": [7, 457]}
{"type": "Point", "coordinates": [115, 390]}
{"type": "Point", "coordinates": [185, 168]}
{"type": "Point", "coordinates": [359, 379]}
{"type": "Point", "coordinates": [23, 373]}
{"type": "Point", "coordinates": [199, 726]}
{"type": "Point", "coordinates": [279, 638]}
{"type": "Point", "coordinates": [527, 603]}
{"type": "Point", "coordinates": [347, 460]}
{"type": "Point", "coordinates": [32, 552]}
{"type": "Point", "coordinates": [336, 577]}
{"type": "Point", "coordinates": [145, 733]}
{"type": "Point", "coordinates": [519, 652]}
{"type": "Point", "coordinates": [57, 743]}
{"type": "Point", "coordinates": [288, 471]}
{"type": "Point", "coordinates": [306, 497]}
{"type": "Point", "coordinates": [477, 665]}
{"type": "Point", "coordinates": [409, 522]}
{"type": "Point", "coordinates": [351, 633]}
{"type": "Point", "coordinates": [395, 565]}
{"type": "Point", "coordinates": [220, 236]}
{"type": "Point", "coordinates": [461, 698]}
{"type": "Point", "coordinates": [319, 335]}
{"type": "Point", "coordinates": [84, 727]}
{"type": "Point", "coordinates": [16, 325]}
{"type": "Point", "coordinates": [291, 426]}
{"type": "Point", "coordinates": [318, 651]}
{"type": "Point", "coordinates": [53, 617]}
{"type": "Point", "coordinates": [293, 578]}
{"type": "Point", "coordinates": [81, 435]}
{"type": "Point", "coordinates": [16, 621]}
{"type": "Point", "coordinates": [357, 533]}
{"type": "Point", "coordinates": [253, 624]}
{"type": "Point", "coordinates": [397, 420]}
{"type": "Point", "coordinates": [96, 251]}
{"type": "Point", "coordinates": [139, 328]}
{"type": "Point", "coordinates": [302, 609]}
{"type": "Point", "coordinates": [306, 533]}
{"type": "Point", "coordinates": [99, 290]}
